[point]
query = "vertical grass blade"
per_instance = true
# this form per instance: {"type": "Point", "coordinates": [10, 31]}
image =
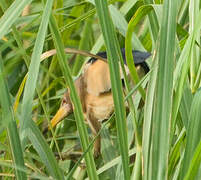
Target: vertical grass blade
{"type": "Point", "coordinates": [114, 54]}
{"type": "Point", "coordinates": [44, 151]}
{"type": "Point", "coordinates": [11, 14]}
{"type": "Point", "coordinates": [175, 154]}
{"type": "Point", "coordinates": [9, 122]}
{"type": "Point", "coordinates": [185, 105]}
{"type": "Point", "coordinates": [193, 133]}
{"type": "Point", "coordinates": [79, 61]}
{"type": "Point", "coordinates": [28, 128]}
{"type": "Point", "coordinates": [194, 164]}
{"type": "Point", "coordinates": [91, 169]}
{"type": "Point", "coordinates": [120, 23]}
{"type": "Point", "coordinates": [164, 92]}
{"type": "Point", "coordinates": [154, 25]}
{"type": "Point", "coordinates": [30, 85]}
{"type": "Point", "coordinates": [141, 12]}
{"type": "Point", "coordinates": [148, 120]}
{"type": "Point", "coordinates": [182, 68]}
{"type": "Point", "coordinates": [195, 57]}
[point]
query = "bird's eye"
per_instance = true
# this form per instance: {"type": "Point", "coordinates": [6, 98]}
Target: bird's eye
{"type": "Point", "coordinates": [64, 101]}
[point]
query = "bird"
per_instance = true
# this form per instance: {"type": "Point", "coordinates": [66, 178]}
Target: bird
{"type": "Point", "coordinates": [93, 87]}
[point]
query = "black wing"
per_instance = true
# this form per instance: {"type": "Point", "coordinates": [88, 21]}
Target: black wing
{"type": "Point", "coordinates": [139, 56]}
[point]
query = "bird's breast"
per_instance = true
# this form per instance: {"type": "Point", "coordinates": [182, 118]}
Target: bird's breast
{"type": "Point", "coordinates": [100, 106]}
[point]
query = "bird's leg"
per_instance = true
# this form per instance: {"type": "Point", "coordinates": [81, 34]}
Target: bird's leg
{"type": "Point", "coordinates": [95, 126]}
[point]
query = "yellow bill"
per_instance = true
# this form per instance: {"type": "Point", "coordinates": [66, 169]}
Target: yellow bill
{"type": "Point", "coordinates": [63, 111]}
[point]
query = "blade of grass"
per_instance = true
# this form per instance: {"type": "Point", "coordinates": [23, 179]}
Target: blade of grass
{"type": "Point", "coordinates": [44, 151]}
{"type": "Point", "coordinates": [117, 17]}
{"type": "Point", "coordinates": [19, 93]}
{"type": "Point", "coordinates": [30, 85]}
{"type": "Point", "coordinates": [147, 128]}
{"type": "Point", "coordinates": [181, 70]}
{"type": "Point", "coordinates": [164, 92]}
{"type": "Point", "coordinates": [121, 24]}
{"type": "Point", "coordinates": [175, 154]}
{"type": "Point", "coordinates": [154, 25]}
{"type": "Point", "coordinates": [11, 15]}
{"type": "Point", "coordinates": [9, 121]}
{"type": "Point", "coordinates": [183, 12]}
{"type": "Point", "coordinates": [178, 167]}
{"type": "Point", "coordinates": [193, 134]}
{"type": "Point", "coordinates": [91, 169]}
{"type": "Point", "coordinates": [127, 6]}
{"type": "Point", "coordinates": [113, 51]}
{"type": "Point", "coordinates": [195, 56]}
{"type": "Point", "coordinates": [141, 12]}
{"type": "Point", "coordinates": [26, 58]}
{"type": "Point", "coordinates": [114, 162]}
{"type": "Point", "coordinates": [39, 143]}
{"type": "Point", "coordinates": [107, 148]}
{"type": "Point", "coordinates": [27, 61]}
{"type": "Point", "coordinates": [47, 117]}
{"type": "Point", "coordinates": [69, 176]}
{"type": "Point", "coordinates": [194, 9]}
{"type": "Point", "coordinates": [185, 105]}
{"type": "Point", "coordinates": [194, 164]}
{"type": "Point", "coordinates": [83, 45]}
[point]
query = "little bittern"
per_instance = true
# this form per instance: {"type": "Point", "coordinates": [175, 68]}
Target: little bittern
{"type": "Point", "coordinates": [94, 89]}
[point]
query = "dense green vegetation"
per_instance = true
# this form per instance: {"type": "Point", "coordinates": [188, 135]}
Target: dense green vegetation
{"type": "Point", "coordinates": [157, 140]}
